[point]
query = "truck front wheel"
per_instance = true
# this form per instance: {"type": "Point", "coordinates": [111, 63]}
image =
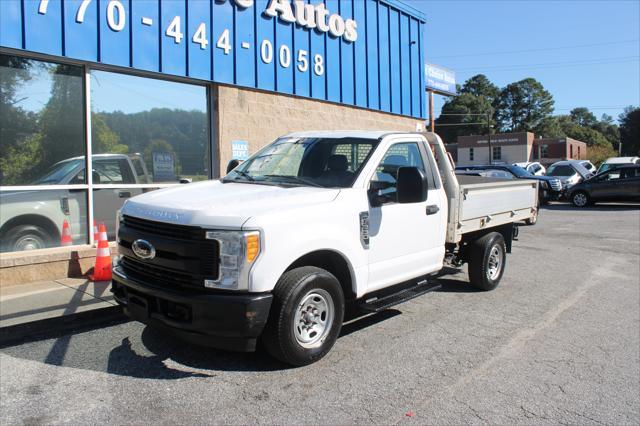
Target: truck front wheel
{"type": "Point", "coordinates": [26, 237]}
{"type": "Point", "coordinates": [487, 259]}
{"type": "Point", "coordinates": [306, 316]}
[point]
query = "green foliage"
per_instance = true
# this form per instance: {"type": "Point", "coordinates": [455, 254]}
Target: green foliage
{"type": "Point", "coordinates": [105, 140]}
{"type": "Point", "coordinates": [18, 160]}
{"type": "Point", "coordinates": [523, 106]}
{"type": "Point", "coordinates": [597, 154]}
{"type": "Point", "coordinates": [480, 85]}
{"type": "Point", "coordinates": [476, 97]}
{"type": "Point", "coordinates": [630, 130]}
{"type": "Point", "coordinates": [184, 131]}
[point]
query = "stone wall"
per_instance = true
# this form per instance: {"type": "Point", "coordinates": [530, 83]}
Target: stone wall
{"type": "Point", "coordinates": [260, 117]}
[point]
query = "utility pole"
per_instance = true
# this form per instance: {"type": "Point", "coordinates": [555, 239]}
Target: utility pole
{"type": "Point", "coordinates": [432, 118]}
{"type": "Point", "coordinates": [489, 136]}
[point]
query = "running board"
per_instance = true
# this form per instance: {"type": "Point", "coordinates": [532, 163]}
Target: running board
{"type": "Point", "coordinates": [376, 304]}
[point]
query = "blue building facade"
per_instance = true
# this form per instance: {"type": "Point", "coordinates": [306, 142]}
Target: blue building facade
{"type": "Point", "coordinates": [365, 53]}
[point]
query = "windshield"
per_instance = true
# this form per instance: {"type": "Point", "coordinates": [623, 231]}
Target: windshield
{"type": "Point", "coordinates": [519, 171]}
{"type": "Point", "coordinates": [57, 172]}
{"type": "Point", "coordinates": [561, 170]}
{"type": "Point", "coordinates": [322, 162]}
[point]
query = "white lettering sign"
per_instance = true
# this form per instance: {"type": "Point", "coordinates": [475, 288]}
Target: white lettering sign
{"type": "Point", "coordinates": [310, 16]}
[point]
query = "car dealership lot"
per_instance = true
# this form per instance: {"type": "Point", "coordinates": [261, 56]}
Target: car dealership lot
{"type": "Point", "coordinates": [557, 342]}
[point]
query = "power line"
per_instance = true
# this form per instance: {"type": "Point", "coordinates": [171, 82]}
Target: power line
{"type": "Point", "coordinates": [542, 49]}
{"type": "Point", "coordinates": [556, 64]}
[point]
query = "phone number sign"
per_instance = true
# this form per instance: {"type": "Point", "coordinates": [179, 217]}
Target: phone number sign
{"type": "Point", "coordinates": [309, 48]}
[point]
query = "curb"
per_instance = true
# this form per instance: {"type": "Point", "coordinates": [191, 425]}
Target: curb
{"type": "Point", "coordinates": [54, 327]}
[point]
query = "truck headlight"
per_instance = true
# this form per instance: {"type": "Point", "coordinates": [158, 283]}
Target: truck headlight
{"type": "Point", "coordinates": [118, 221]}
{"type": "Point", "coordinates": [238, 251]}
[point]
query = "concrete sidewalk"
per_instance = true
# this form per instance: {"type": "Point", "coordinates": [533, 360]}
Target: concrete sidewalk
{"type": "Point", "coordinates": [45, 306]}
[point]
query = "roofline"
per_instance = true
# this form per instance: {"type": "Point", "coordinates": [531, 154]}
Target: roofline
{"type": "Point", "coordinates": [404, 7]}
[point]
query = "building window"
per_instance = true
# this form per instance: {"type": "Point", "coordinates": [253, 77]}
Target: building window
{"type": "Point", "coordinates": [470, 154]}
{"type": "Point", "coordinates": [570, 151]}
{"type": "Point", "coordinates": [544, 151]}
{"type": "Point", "coordinates": [145, 133]}
{"type": "Point", "coordinates": [497, 153]}
{"type": "Point", "coordinates": [579, 157]}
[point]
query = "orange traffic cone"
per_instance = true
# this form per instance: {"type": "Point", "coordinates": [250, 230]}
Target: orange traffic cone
{"type": "Point", "coordinates": [96, 234]}
{"type": "Point", "coordinates": [102, 270]}
{"type": "Point", "coordinates": [65, 240]}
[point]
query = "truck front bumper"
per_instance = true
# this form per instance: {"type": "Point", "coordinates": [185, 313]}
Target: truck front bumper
{"type": "Point", "coordinates": [222, 320]}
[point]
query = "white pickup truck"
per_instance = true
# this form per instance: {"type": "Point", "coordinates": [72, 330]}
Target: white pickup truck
{"type": "Point", "coordinates": [312, 223]}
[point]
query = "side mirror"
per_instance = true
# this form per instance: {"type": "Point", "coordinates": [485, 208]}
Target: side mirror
{"type": "Point", "coordinates": [411, 185]}
{"type": "Point", "coordinates": [233, 164]}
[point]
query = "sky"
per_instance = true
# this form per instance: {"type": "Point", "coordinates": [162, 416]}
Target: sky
{"type": "Point", "coordinates": [586, 53]}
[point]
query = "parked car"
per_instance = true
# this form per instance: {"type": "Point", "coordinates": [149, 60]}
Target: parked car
{"type": "Point", "coordinates": [616, 162]}
{"type": "Point", "coordinates": [618, 184]}
{"type": "Point", "coordinates": [549, 188]}
{"type": "Point", "coordinates": [589, 166]}
{"type": "Point", "coordinates": [33, 219]}
{"type": "Point", "coordinates": [533, 167]}
{"type": "Point", "coordinates": [570, 172]}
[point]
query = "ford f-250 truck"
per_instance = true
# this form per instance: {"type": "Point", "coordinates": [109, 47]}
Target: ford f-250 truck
{"type": "Point", "coordinates": [311, 223]}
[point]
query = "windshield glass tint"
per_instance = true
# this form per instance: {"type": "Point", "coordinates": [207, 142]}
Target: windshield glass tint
{"type": "Point", "coordinates": [330, 163]}
{"type": "Point", "coordinates": [560, 171]}
{"type": "Point", "coordinates": [57, 173]}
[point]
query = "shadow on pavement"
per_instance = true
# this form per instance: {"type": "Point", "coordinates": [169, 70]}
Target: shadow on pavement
{"type": "Point", "coordinates": [601, 207]}
{"type": "Point", "coordinates": [455, 286]}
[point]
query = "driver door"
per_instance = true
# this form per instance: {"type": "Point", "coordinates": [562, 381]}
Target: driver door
{"type": "Point", "coordinates": [406, 240]}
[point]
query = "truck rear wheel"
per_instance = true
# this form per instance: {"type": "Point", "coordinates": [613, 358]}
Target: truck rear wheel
{"type": "Point", "coordinates": [487, 259]}
{"type": "Point", "coordinates": [306, 316]}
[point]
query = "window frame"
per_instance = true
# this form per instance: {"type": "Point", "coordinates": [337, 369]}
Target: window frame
{"type": "Point", "coordinates": [425, 164]}
{"type": "Point", "coordinates": [88, 187]}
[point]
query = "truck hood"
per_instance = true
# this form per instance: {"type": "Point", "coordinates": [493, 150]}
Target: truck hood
{"type": "Point", "coordinates": [213, 204]}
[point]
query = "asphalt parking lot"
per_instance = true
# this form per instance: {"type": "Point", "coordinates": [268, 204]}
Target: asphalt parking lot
{"type": "Point", "coordinates": [557, 342]}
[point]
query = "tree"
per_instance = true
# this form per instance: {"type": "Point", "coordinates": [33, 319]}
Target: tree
{"type": "Point", "coordinates": [523, 106]}
{"type": "Point", "coordinates": [630, 130]}
{"type": "Point", "coordinates": [480, 85]}
{"type": "Point", "coordinates": [583, 117]}
{"type": "Point", "coordinates": [470, 106]}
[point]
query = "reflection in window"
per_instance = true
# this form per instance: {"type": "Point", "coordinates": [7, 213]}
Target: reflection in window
{"type": "Point", "coordinates": [160, 126]}
{"type": "Point", "coordinates": [41, 119]}
{"type": "Point", "coordinates": [35, 219]}
{"type": "Point", "coordinates": [399, 155]}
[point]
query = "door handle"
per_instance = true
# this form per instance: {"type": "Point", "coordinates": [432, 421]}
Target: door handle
{"type": "Point", "coordinates": [124, 194]}
{"type": "Point", "coordinates": [432, 209]}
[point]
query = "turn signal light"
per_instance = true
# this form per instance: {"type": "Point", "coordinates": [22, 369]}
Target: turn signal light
{"type": "Point", "coordinates": [253, 246]}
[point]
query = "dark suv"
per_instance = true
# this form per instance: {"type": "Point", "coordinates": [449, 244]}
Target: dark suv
{"type": "Point", "coordinates": [619, 184]}
{"type": "Point", "coordinates": [549, 188]}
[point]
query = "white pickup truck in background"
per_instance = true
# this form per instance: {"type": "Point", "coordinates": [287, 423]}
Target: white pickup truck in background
{"type": "Point", "coordinates": [312, 223]}
{"type": "Point", "coordinates": [32, 219]}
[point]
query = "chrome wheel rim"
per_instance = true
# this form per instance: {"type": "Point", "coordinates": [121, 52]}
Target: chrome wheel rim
{"type": "Point", "coordinates": [314, 318]}
{"type": "Point", "coordinates": [28, 242]}
{"type": "Point", "coordinates": [580, 199]}
{"type": "Point", "coordinates": [495, 262]}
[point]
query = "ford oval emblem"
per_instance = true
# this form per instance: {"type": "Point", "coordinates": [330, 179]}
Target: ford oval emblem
{"type": "Point", "coordinates": [143, 249]}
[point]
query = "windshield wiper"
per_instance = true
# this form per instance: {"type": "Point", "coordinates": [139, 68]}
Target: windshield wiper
{"type": "Point", "coordinates": [296, 179]}
{"type": "Point", "coordinates": [245, 175]}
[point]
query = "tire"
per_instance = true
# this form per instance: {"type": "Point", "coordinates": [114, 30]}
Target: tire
{"type": "Point", "coordinates": [580, 199]}
{"type": "Point", "coordinates": [487, 260]}
{"type": "Point", "coordinates": [26, 237]}
{"type": "Point", "coordinates": [533, 220]}
{"type": "Point", "coordinates": [304, 296]}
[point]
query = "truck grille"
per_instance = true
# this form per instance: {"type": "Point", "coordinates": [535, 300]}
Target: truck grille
{"type": "Point", "coordinates": [184, 257]}
{"type": "Point", "coordinates": [556, 185]}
